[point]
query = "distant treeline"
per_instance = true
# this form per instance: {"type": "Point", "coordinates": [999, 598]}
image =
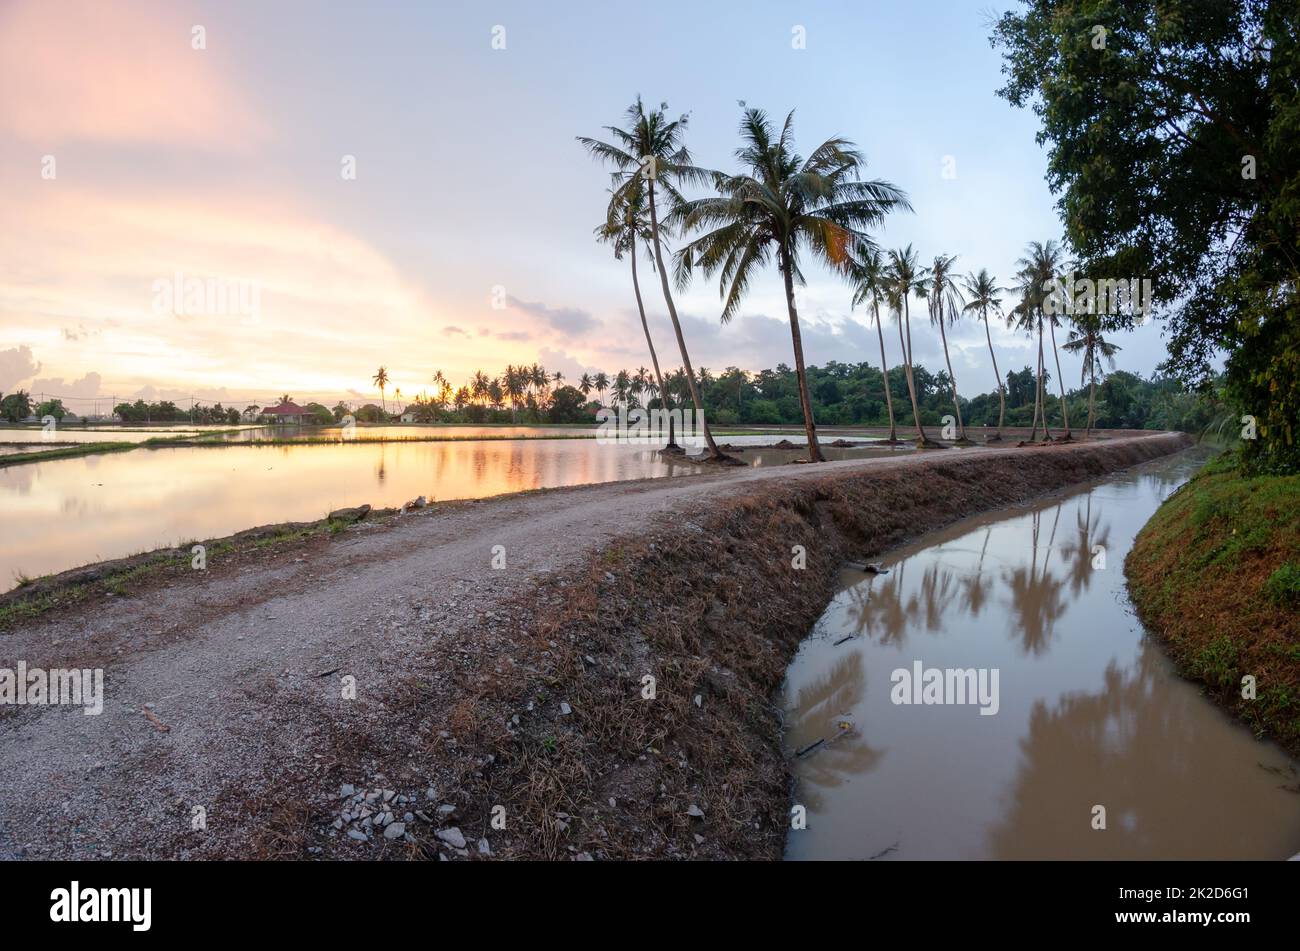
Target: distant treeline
{"type": "Point", "coordinates": [842, 394]}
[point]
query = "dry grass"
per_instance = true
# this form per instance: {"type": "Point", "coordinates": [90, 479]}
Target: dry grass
{"type": "Point", "coordinates": [710, 606]}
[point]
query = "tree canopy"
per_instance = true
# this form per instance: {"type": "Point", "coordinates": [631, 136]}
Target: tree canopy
{"type": "Point", "coordinates": [1173, 134]}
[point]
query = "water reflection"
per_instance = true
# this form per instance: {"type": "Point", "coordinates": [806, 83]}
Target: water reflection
{"type": "Point", "coordinates": [57, 515]}
{"type": "Point", "coordinates": [1091, 712]}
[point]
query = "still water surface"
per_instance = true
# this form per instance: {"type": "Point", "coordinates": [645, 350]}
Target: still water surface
{"type": "Point", "coordinates": [64, 513]}
{"type": "Point", "coordinates": [1090, 709]}
{"type": "Point", "coordinates": [57, 515]}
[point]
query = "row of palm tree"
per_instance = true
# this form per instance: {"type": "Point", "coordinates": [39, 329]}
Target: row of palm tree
{"type": "Point", "coordinates": [521, 386]}
{"type": "Point", "coordinates": [899, 278]}
{"type": "Point", "coordinates": [780, 207]}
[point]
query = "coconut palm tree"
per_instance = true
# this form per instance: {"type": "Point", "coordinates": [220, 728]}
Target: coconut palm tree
{"type": "Point", "coordinates": [601, 383]}
{"type": "Point", "coordinates": [945, 305]}
{"type": "Point", "coordinates": [626, 222]}
{"type": "Point", "coordinates": [649, 153]}
{"type": "Point", "coordinates": [622, 386]}
{"type": "Point", "coordinates": [584, 384]}
{"type": "Point", "coordinates": [985, 295]}
{"type": "Point", "coordinates": [478, 387]}
{"type": "Point", "coordinates": [514, 387]}
{"type": "Point", "coordinates": [1040, 265]}
{"type": "Point", "coordinates": [869, 279]}
{"type": "Point", "coordinates": [904, 278]}
{"type": "Point", "coordinates": [777, 206]}
{"type": "Point", "coordinates": [542, 380]}
{"type": "Point", "coordinates": [1086, 338]}
{"type": "Point", "coordinates": [1026, 316]}
{"type": "Point", "coordinates": [381, 380]}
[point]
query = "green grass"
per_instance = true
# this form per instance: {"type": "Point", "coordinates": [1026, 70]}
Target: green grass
{"type": "Point", "coordinates": [64, 452]}
{"type": "Point", "coordinates": [1283, 585]}
{"type": "Point", "coordinates": [1215, 574]}
{"type": "Point", "coordinates": [15, 607]}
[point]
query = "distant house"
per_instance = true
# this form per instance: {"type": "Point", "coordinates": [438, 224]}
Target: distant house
{"type": "Point", "coordinates": [409, 416]}
{"type": "Point", "coordinates": [288, 412]}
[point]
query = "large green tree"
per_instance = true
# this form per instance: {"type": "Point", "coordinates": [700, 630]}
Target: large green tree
{"type": "Point", "coordinates": [1173, 134]}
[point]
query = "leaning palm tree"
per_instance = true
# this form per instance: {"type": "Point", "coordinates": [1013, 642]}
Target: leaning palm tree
{"type": "Point", "coordinates": [945, 306]}
{"type": "Point", "coordinates": [869, 280]}
{"type": "Point", "coordinates": [985, 295]}
{"type": "Point", "coordinates": [381, 380]}
{"type": "Point", "coordinates": [779, 205]}
{"type": "Point", "coordinates": [625, 223]}
{"type": "Point", "coordinates": [904, 278]}
{"type": "Point", "coordinates": [1086, 338]}
{"type": "Point", "coordinates": [649, 153]}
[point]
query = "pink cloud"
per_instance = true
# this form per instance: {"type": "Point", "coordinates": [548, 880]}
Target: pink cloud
{"type": "Point", "coordinates": [121, 73]}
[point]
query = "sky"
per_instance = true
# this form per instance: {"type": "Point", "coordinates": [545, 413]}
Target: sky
{"type": "Point", "coordinates": [232, 200]}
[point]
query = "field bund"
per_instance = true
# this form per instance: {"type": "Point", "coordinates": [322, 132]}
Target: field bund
{"type": "Point", "coordinates": [478, 687]}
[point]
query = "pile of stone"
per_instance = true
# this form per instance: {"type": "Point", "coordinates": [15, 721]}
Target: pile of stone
{"type": "Point", "coordinates": [368, 815]}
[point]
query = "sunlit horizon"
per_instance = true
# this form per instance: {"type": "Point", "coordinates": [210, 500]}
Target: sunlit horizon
{"type": "Point", "coordinates": [385, 217]}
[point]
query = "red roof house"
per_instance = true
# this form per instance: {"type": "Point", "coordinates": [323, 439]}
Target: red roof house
{"type": "Point", "coordinates": [287, 412]}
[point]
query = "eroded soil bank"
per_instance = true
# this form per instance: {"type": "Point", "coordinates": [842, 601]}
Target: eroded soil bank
{"type": "Point", "coordinates": [478, 686]}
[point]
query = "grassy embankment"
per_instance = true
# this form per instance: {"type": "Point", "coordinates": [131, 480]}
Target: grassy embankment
{"type": "Point", "coordinates": [1215, 575]}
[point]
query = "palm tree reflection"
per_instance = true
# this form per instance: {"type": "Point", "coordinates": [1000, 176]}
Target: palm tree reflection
{"type": "Point", "coordinates": [1159, 759]}
{"type": "Point", "coordinates": [1035, 601]}
{"type": "Point", "coordinates": [819, 709]}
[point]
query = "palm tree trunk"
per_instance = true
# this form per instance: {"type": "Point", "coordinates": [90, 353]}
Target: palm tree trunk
{"type": "Point", "coordinates": [921, 438]}
{"type": "Point", "coordinates": [1002, 390]}
{"type": "Point", "coordinates": [952, 380]}
{"type": "Point", "coordinates": [1033, 435]}
{"type": "Point", "coordinates": [654, 358]}
{"type": "Point", "coordinates": [1060, 380]}
{"type": "Point", "coordinates": [884, 367]}
{"type": "Point", "coordinates": [1092, 389]}
{"type": "Point", "coordinates": [809, 425]}
{"type": "Point", "coordinates": [1042, 384]}
{"type": "Point", "coordinates": [714, 451]}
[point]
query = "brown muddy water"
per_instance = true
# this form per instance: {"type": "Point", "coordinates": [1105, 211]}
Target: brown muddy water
{"type": "Point", "coordinates": [1089, 710]}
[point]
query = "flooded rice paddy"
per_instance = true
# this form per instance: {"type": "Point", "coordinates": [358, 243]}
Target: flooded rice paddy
{"type": "Point", "coordinates": [64, 513]}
